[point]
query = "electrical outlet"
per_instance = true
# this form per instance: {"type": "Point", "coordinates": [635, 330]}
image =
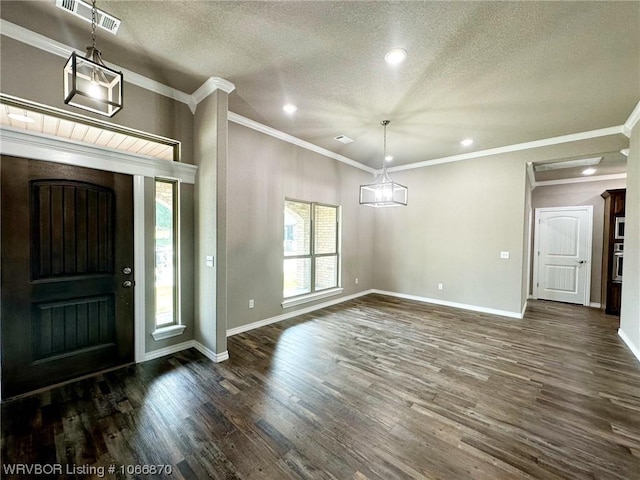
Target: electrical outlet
{"type": "Point", "coordinates": [251, 303]}
{"type": "Point", "coordinates": [440, 286]}
{"type": "Point", "coordinates": [356, 281]}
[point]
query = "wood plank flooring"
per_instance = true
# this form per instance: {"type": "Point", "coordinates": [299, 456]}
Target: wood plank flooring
{"type": "Point", "coordinates": [374, 388]}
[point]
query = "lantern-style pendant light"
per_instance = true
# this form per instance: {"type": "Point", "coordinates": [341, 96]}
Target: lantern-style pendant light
{"type": "Point", "coordinates": [384, 192]}
{"type": "Point", "coordinates": [88, 83]}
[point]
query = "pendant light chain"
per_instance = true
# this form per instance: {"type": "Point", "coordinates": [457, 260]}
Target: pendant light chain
{"type": "Point", "coordinates": [93, 24]}
{"type": "Point", "coordinates": [384, 148]}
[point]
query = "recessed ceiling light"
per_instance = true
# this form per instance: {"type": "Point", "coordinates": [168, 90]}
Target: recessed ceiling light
{"type": "Point", "coordinates": [466, 142]}
{"type": "Point", "coordinates": [21, 118]}
{"type": "Point", "coordinates": [588, 171]}
{"type": "Point", "coordinates": [625, 152]}
{"type": "Point", "coordinates": [290, 108]}
{"type": "Point", "coordinates": [388, 158]}
{"type": "Point", "coordinates": [395, 56]}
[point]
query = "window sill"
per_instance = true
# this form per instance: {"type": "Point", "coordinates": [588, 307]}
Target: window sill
{"type": "Point", "coordinates": [311, 297]}
{"type": "Point", "coordinates": [168, 332]}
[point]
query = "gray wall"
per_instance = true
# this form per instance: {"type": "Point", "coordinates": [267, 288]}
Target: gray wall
{"type": "Point", "coordinates": [460, 216]}
{"type": "Point", "coordinates": [210, 148]}
{"type": "Point", "coordinates": [579, 194]}
{"type": "Point", "coordinates": [630, 314]}
{"type": "Point", "coordinates": [262, 172]}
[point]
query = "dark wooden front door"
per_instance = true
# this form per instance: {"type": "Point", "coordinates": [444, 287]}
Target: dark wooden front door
{"type": "Point", "coordinates": [67, 242]}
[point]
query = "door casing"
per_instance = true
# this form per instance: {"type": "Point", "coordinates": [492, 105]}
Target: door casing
{"type": "Point", "coordinates": [29, 145]}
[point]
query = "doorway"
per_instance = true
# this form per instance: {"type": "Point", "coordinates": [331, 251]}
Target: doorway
{"type": "Point", "coordinates": [67, 272]}
{"type": "Point", "coordinates": [562, 254]}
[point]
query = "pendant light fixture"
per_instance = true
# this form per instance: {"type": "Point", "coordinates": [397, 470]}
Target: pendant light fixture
{"type": "Point", "coordinates": [384, 192]}
{"type": "Point", "coordinates": [88, 83]}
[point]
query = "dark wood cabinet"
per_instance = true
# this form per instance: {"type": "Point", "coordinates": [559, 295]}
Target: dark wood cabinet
{"type": "Point", "coordinates": [613, 250]}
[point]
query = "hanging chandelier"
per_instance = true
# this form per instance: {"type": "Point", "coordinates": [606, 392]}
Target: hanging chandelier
{"type": "Point", "coordinates": [88, 83]}
{"type": "Point", "coordinates": [384, 192]}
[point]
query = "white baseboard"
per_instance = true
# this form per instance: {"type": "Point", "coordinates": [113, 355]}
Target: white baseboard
{"type": "Point", "coordinates": [634, 349]}
{"type": "Point", "coordinates": [524, 309]}
{"type": "Point", "coordinates": [161, 352]}
{"type": "Point", "coordinates": [210, 354]}
{"type": "Point", "coordinates": [302, 311]}
{"type": "Point", "coordinates": [463, 306]}
{"type": "Point", "coordinates": [595, 305]}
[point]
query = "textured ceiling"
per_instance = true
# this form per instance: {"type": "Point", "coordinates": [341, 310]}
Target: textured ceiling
{"type": "Point", "coordinates": [499, 72]}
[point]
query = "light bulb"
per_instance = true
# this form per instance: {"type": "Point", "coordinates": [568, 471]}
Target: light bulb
{"type": "Point", "coordinates": [94, 86]}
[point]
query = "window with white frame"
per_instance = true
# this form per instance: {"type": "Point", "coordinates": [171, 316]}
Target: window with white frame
{"type": "Point", "coordinates": [311, 248]}
{"type": "Point", "coordinates": [166, 253]}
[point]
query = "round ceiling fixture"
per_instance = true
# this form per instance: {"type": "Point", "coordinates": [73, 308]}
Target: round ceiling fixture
{"type": "Point", "coordinates": [395, 56]}
{"type": "Point", "coordinates": [466, 142]}
{"type": "Point", "coordinates": [589, 171]}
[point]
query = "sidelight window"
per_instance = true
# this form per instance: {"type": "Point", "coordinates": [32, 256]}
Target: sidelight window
{"type": "Point", "coordinates": [166, 253]}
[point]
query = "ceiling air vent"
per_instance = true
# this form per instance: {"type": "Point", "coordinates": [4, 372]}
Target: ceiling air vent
{"type": "Point", "coordinates": [83, 10]}
{"type": "Point", "coordinates": [344, 139]}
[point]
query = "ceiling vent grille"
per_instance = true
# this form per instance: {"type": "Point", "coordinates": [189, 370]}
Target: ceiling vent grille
{"type": "Point", "coordinates": [344, 139]}
{"type": "Point", "coordinates": [83, 10]}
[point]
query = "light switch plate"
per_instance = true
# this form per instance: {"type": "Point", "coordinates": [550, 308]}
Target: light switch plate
{"type": "Point", "coordinates": [504, 255]}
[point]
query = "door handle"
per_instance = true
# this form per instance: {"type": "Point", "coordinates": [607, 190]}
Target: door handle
{"type": "Point", "coordinates": [127, 270]}
{"type": "Point", "coordinates": [580, 261]}
{"type": "Point", "coordinates": [127, 284]}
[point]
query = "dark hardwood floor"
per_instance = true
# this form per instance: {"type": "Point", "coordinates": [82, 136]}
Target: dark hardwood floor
{"type": "Point", "coordinates": [374, 388]}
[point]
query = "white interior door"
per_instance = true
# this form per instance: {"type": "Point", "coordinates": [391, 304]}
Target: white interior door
{"type": "Point", "coordinates": [563, 254]}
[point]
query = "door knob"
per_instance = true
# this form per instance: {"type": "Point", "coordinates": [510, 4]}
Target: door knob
{"type": "Point", "coordinates": [127, 284]}
{"type": "Point", "coordinates": [127, 270]}
{"type": "Point", "coordinates": [581, 261]}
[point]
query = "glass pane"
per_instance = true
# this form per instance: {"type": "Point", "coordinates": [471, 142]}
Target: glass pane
{"type": "Point", "coordinates": [297, 276]}
{"type": "Point", "coordinates": [325, 229]}
{"type": "Point", "coordinates": [297, 228]}
{"type": "Point", "coordinates": [326, 272]}
{"type": "Point", "coordinates": [165, 255]}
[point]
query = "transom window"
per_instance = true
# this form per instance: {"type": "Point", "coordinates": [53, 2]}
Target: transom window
{"type": "Point", "coordinates": [311, 247]}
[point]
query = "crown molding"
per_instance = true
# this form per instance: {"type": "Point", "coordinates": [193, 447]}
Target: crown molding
{"type": "Point", "coordinates": [41, 42]}
{"type": "Point", "coordinates": [34, 39]}
{"type": "Point", "coordinates": [631, 122]}
{"type": "Point", "coordinates": [208, 87]}
{"type": "Point", "coordinates": [247, 122]}
{"type": "Point", "coordinates": [574, 137]}
{"type": "Point", "coordinates": [49, 45]}
{"type": "Point", "coordinates": [212, 84]}
{"type": "Point", "coordinates": [593, 178]}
